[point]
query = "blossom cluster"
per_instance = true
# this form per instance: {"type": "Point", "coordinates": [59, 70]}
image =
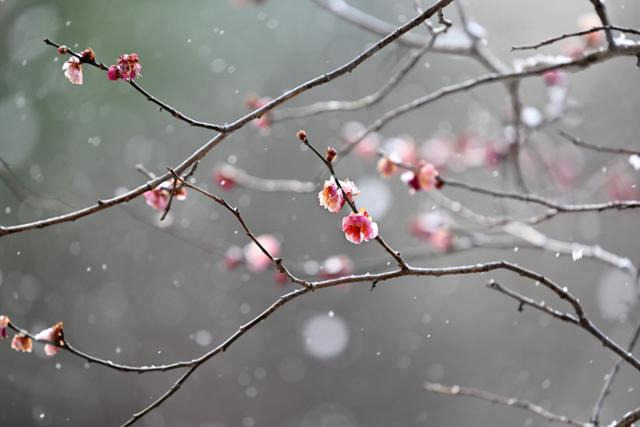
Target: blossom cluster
{"type": "Point", "coordinates": [52, 337]}
{"type": "Point", "coordinates": [159, 197]}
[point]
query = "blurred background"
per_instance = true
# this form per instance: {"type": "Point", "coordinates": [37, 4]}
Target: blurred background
{"type": "Point", "coordinates": [139, 292]}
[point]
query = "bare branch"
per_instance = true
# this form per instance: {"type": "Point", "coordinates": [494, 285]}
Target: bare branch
{"type": "Point", "coordinates": [576, 34]}
{"type": "Point", "coordinates": [606, 389]}
{"type": "Point", "coordinates": [532, 198]}
{"type": "Point", "coordinates": [230, 128]}
{"type": "Point", "coordinates": [534, 67]}
{"type": "Point", "coordinates": [277, 262]}
{"type": "Point", "coordinates": [503, 400]}
{"type": "Point", "coordinates": [601, 148]}
{"type": "Point", "coordinates": [163, 105]}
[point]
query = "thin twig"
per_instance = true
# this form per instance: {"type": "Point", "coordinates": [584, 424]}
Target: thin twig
{"type": "Point", "coordinates": [230, 128]}
{"type": "Point", "coordinates": [576, 34]}
{"type": "Point", "coordinates": [537, 67]}
{"type": "Point", "coordinates": [163, 105]}
{"type": "Point", "coordinates": [532, 198]}
{"type": "Point", "coordinates": [503, 400]}
{"type": "Point", "coordinates": [601, 148]}
{"type": "Point", "coordinates": [606, 389]}
{"type": "Point", "coordinates": [394, 253]}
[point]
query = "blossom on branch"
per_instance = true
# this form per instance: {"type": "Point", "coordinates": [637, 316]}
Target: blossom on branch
{"type": "Point", "coordinates": [4, 324]}
{"type": "Point", "coordinates": [128, 67]}
{"type": "Point", "coordinates": [263, 123]}
{"type": "Point", "coordinates": [332, 198]}
{"type": "Point", "coordinates": [21, 342]}
{"type": "Point", "coordinates": [359, 227]}
{"type": "Point", "coordinates": [424, 177]}
{"type": "Point", "coordinates": [387, 165]}
{"type": "Point", "coordinates": [255, 258]}
{"type": "Point", "coordinates": [73, 70]}
{"type": "Point", "coordinates": [159, 197]}
{"type": "Point", "coordinates": [53, 335]}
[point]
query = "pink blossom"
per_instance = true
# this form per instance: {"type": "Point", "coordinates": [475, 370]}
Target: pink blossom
{"type": "Point", "coordinates": [21, 342]}
{"type": "Point", "coordinates": [332, 198]}
{"type": "Point", "coordinates": [404, 147]}
{"type": "Point", "coordinates": [113, 73]}
{"type": "Point", "coordinates": [336, 266]}
{"type": "Point", "coordinates": [359, 227]}
{"type": "Point", "coordinates": [53, 335]}
{"type": "Point", "coordinates": [158, 198]}
{"type": "Point", "coordinates": [621, 185]}
{"type": "Point", "coordinates": [253, 103]}
{"type": "Point", "coordinates": [587, 22]}
{"type": "Point", "coordinates": [435, 228]}
{"type": "Point", "coordinates": [368, 147]}
{"type": "Point", "coordinates": [280, 278]}
{"type": "Point", "coordinates": [256, 259]}
{"type": "Point", "coordinates": [437, 151]}
{"type": "Point", "coordinates": [73, 70]}
{"type": "Point", "coordinates": [224, 176]}
{"type": "Point", "coordinates": [554, 78]}
{"type": "Point", "coordinates": [425, 177]}
{"type": "Point", "coordinates": [387, 166]}
{"type": "Point", "coordinates": [127, 67]}
{"type": "Point", "coordinates": [4, 324]}
{"type": "Point", "coordinates": [411, 179]}
{"type": "Point", "coordinates": [233, 257]}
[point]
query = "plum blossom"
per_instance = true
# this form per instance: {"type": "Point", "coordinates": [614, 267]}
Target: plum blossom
{"type": "Point", "coordinates": [73, 70]}
{"type": "Point", "coordinates": [127, 67]}
{"type": "Point", "coordinates": [554, 78]}
{"type": "Point", "coordinates": [233, 257]}
{"type": "Point", "coordinates": [404, 147]}
{"type": "Point", "coordinates": [4, 324]}
{"type": "Point", "coordinates": [53, 335]}
{"type": "Point", "coordinates": [387, 165]}
{"type": "Point", "coordinates": [587, 22]}
{"type": "Point", "coordinates": [359, 227]}
{"type": "Point", "coordinates": [158, 198]}
{"type": "Point", "coordinates": [256, 259]}
{"type": "Point", "coordinates": [21, 342]}
{"type": "Point", "coordinates": [225, 177]}
{"type": "Point", "coordinates": [435, 228]}
{"type": "Point", "coordinates": [424, 177]}
{"type": "Point", "coordinates": [263, 123]}
{"type": "Point", "coordinates": [332, 198]}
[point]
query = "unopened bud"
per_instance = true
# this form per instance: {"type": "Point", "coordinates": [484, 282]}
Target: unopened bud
{"type": "Point", "coordinates": [302, 135]}
{"type": "Point", "coordinates": [331, 154]}
{"type": "Point", "coordinates": [88, 55]}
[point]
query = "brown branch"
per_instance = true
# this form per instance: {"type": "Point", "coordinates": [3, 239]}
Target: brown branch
{"type": "Point", "coordinates": [601, 148]}
{"type": "Point", "coordinates": [606, 389]}
{"type": "Point", "coordinates": [277, 262]}
{"type": "Point", "coordinates": [526, 301]}
{"type": "Point", "coordinates": [394, 253]}
{"type": "Point", "coordinates": [601, 11]}
{"type": "Point", "coordinates": [98, 361]}
{"type": "Point", "coordinates": [230, 128]}
{"type": "Point", "coordinates": [252, 182]}
{"type": "Point", "coordinates": [532, 198]}
{"type": "Point", "coordinates": [576, 34]}
{"type": "Point", "coordinates": [628, 420]}
{"type": "Point", "coordinates": [357, 17]}
{"type": "Point", "coordinates": [532, 67]}
{"type": "Point", "coordinates": [503, 400]}
{"type": "Point", "coordinates": [358, 104]}
{"type": "Point", "coordinates": [163, 105]}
